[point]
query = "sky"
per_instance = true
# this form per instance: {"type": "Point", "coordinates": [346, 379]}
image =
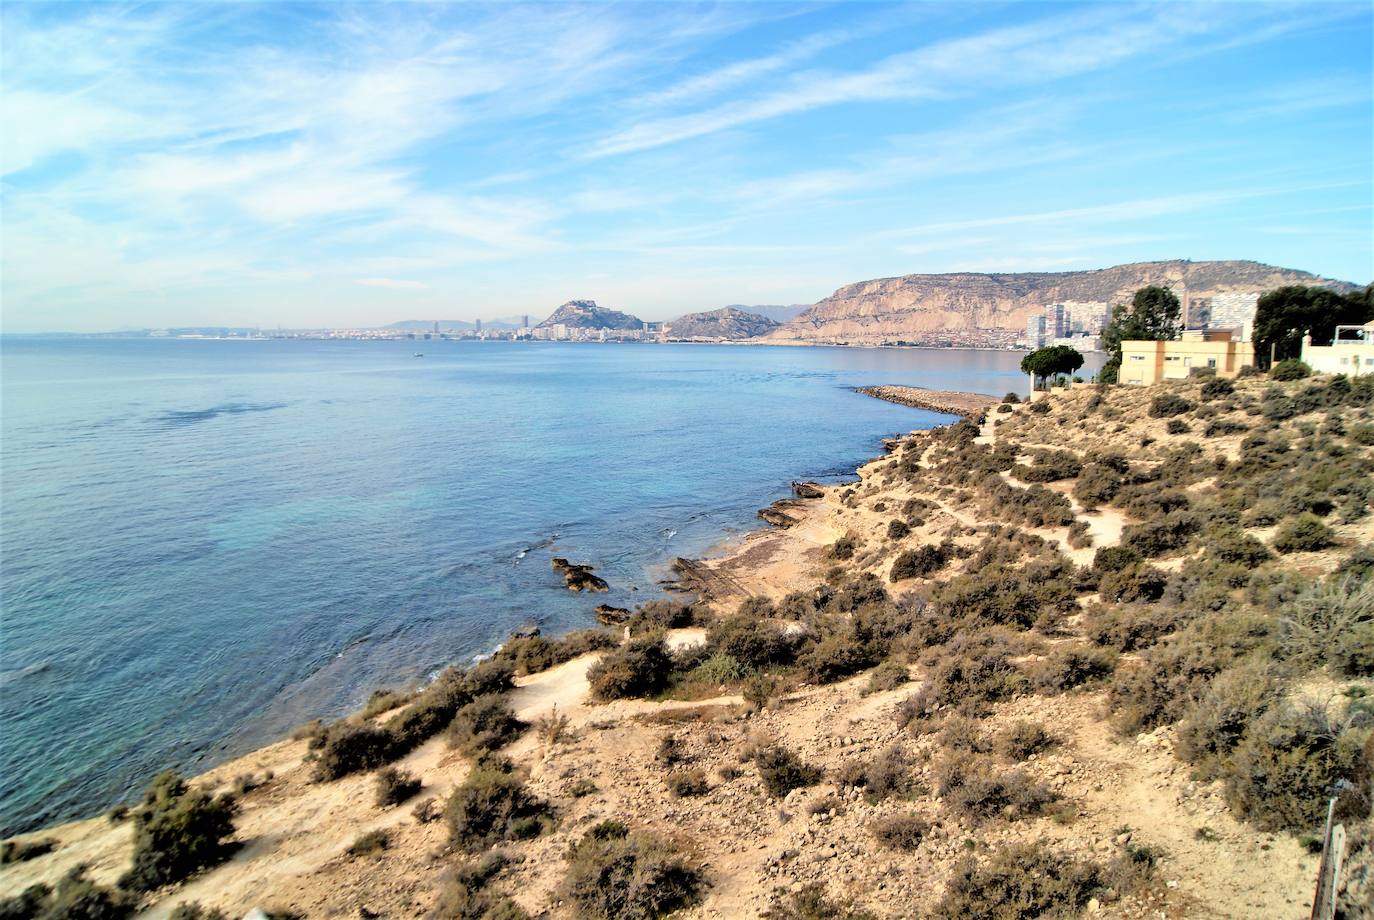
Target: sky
{"type": "Point", "coordinates": [305, 165]}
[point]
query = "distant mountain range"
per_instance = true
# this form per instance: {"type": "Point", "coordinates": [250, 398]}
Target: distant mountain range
{"type": "Point", "coordinates": [585, 314]}
{"type": "Point", "coordinates": [728, 323]}
{"type": "Point", "coordinates": [778, 313]}
{"type": "Point", "coordinates": [914, 307]}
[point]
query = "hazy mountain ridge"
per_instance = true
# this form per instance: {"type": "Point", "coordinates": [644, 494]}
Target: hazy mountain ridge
{"type": "Point", "coordinates": [728, 323]}
{"type": "Point", "coordinates": [778, 313]}
{"type": "Point", "coordinates": [911, 307]}
{"type": "Point", "coordinates": [585, 314]}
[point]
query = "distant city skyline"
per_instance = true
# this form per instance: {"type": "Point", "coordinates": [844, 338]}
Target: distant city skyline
{"type": "Point", "coordinates": [354, 165]}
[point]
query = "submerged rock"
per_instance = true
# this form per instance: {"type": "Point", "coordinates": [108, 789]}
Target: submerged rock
{"type": "Point", "coordinates": [579, 577]}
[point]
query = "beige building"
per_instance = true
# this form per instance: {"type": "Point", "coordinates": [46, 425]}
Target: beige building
{"type": "Point", "coordinates": [1350, 352]}
{"type": "Point", "coordinates": [1144, 362]}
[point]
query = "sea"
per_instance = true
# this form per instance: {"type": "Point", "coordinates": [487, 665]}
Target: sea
{"type": "Point", "coordinates": [205, 543]}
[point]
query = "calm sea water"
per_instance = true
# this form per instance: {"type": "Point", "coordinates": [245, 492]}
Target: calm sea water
{"type": "Point", "coordinates": [205, 543]}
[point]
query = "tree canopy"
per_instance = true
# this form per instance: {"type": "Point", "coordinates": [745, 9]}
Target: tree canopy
{"type": "Point", "coordinates": [1052, 361]}
{"type": "Point", "coordinates": [1153, 316]}
{"type": "Point", "coordinates": [1284, 315]}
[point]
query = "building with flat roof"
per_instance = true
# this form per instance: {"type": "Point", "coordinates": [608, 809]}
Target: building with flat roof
{"type": "Point", "coordinates": [1035, 331]}
{"type": "Point", "coordinates": [1351, 351]}
{"type": "Point", "coordinates": [1147, 362]}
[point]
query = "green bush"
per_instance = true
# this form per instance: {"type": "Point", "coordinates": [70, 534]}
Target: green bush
{"type": "Point", "coordinates": [1236, 547]}
{"type": "Point", "coordinates": [1303, 534]}
{"type": "Point", "coordinates": [921, 562]}
{"type": "Point", "coordinates": [887, 676]}
{"type": "Point", "coordinates": [615, 873]}
{"type": "Point", "coordinates": [1215, 722]}
{"type": "Point", "coordinates": [1167, 405]}
{"type": "Point", "coordinates": [532, 654]}
{"type": "Point", "coordinates": [17, 851]}
{"type": "Point", "coordinates": [640, 667]}
{"type": "Point", "coordinates": [782, 771]}
{"type": "Point", "coordinates": [718, 669]}
{"type": "Point", "coordinates": [1050, 466]}
{"type": "Point", "coordinates": [346, 747]}
{"type": "Point", "coordinates": [75, 898]}
{"type": "Point", "coordinates": [485, 724]}
{"type": "Point", "coordinates": [1283, 770]}
{"type": "Point", "coordinates": [1177, 426]}
{"type": "Point", "coordinates": [1019, 882]}
{"type": "Point", "coordinates": [897, 530]}
{"type": "Point", "coordinates": [842, 549]}
{"type": "Point", "coordinates": [1223, 426]}
{"type": "Point", "coordinates": [1174, 531]}
{"type": "Point", "coordinates": [492, 806]}
{"type": "Point", "coordinates": [1114, 559]}
{"type": "Point", "coordinates": [177, 831]}
{"type": "Point", "coordinates": [1217, 388]}
{"type": "Point", "coordinates": [1289, 369]}
{"type": "Point", "coordinates": [1097, 484]}
{"type": "Point", "coordinates": [751, 642]}
{"type": "Point", "coordinates": [191, 910]}
{"type": "Point", "coordinates": [395, 786]}
{"type": "Point", "coordinates": [835, 657]}
{"type": "Point", "coordinates": [1139, 582]}
{"type": "Point", "coordinates": [659, 615]}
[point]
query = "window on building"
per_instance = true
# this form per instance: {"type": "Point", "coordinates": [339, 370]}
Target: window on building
{"type": "Point", "coordinates": [1211, 362]}
{"type": "Point", "coordinates": [1137, 357]}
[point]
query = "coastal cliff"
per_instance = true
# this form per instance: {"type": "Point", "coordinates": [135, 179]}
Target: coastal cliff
{"type": "Point", "coordinates": [916, 307]}
{"type": "Point", "coordinates": [1069, 656]}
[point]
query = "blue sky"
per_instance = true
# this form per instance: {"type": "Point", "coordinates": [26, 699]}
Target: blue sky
{"type": "Point", "coordinates": [338, 164]}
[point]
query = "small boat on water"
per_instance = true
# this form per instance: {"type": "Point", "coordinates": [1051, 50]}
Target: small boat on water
{"type": "Point", "coordinates": [419, 354]}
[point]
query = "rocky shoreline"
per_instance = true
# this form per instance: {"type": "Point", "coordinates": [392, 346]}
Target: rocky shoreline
{"type": "Point", "coordinates": [949, 402]}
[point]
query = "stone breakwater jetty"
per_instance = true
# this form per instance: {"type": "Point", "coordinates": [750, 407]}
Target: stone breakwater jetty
{"type": "Point", "coordinates": [950, 402]}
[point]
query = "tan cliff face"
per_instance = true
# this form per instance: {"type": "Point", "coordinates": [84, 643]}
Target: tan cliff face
{"type": "Point", "coordinates": [913, 307]}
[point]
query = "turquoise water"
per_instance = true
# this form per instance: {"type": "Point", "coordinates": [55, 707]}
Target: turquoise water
{"type": "Point", "coordinates": [206, 543]}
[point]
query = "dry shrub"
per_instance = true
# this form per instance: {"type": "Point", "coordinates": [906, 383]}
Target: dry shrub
{"type": "Point", "coordinates": [615, 873]}
{"type": "Point", "coordinates": [887, 676]}
{"type": "Point", "coordinates": [1020, 740]}
{"type": "Point", "coordinates": [901, 831]}
{"type": "Point", "coordinates": [687, 783]}
{"type": "Point", "coordinates": [970, 787]}
{"type": "Point", "coordinates": [178, 830]}
{"type": "Point", "coordinates": [372, 843]}
{"type": "Point", "coordinates": [553, 727]}
{"type": "Point", "coordinates": [532, 654]}
{"type": "Point", "coordinates": [640, 667]}
{"type": "Point", "coordinates": [921, 562]}
{"type": "Point", "coordinates": [782, 771]}
{"type": "Point", "coordinates": [464, 893]}
{"type": "Point", "coordinates": [1071, 665]}
{"type": "Point", "coordinates": [395, 786]}
{"type": "Point", "coordinates": [752, 642]}
{"type": "Point", "coordinates": [886, 774]}
{"type": "Point", "coordinates": [485, 724]}
{"type": "Point", "coordinates": [493, 805]}
{"type": "Point", "coordinates": [811, 903]}
{"type": "Point", "coordinates": [1285, 768]}
{"type": "Point", "coordinates": [17, 851]}
{"type": "Point", "coordinates": [1330, 623]}
{"type": "Point", "coordinates": [1020, 882]}
{"type": "Point", "coordinates": [74, 898]}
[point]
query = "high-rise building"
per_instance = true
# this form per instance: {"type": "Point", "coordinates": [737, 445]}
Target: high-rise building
{"type": "Point", "coordinates": [1085, 316]}
{"type": "Point", "coordinates": [1035, 331]}
{"type": "Point", "coordinates": [1233, 310]}
{"type": "Point", "coordinates": [525, 321]}
{"type": "Point", "coordinates": [477, 327]}
{"type": "Point", "coordinates": [1055, 326]}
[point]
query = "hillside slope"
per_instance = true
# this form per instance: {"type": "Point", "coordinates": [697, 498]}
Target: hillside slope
{"type": "Point", "coordinates": [585, 314]}
{"type": "Point", "coordinates": [727, 323]}
{"type": "Point", "coordinates": [913, 307]}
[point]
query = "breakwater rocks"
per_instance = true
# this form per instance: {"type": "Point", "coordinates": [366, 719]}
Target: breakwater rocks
{"type": "Point", "coordinates": [951, 402]}
{"type": "Point", "coordinates": [579, 577]}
